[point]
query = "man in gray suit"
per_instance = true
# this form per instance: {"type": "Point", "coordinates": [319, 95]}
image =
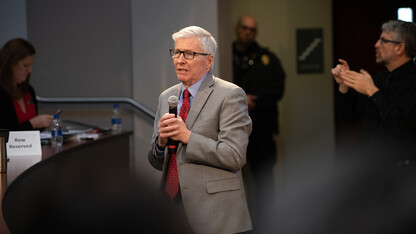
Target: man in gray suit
{"type": "Point", "coordinates": [211, 142]}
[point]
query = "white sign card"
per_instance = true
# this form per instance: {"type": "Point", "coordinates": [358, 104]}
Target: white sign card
{"type": "Point", "coordinates": [23, 150]}
{"type": "Point", "coordinates": [23, 143]}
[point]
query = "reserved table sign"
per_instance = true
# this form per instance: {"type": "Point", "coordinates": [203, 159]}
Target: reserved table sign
{"type": "Point", "coordinates": [23, 143]}
{"type": "Point", "coordinates": [23, 151]}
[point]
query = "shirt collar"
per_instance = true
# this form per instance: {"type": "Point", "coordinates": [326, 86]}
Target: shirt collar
{"type": "Point", "coordinates": [403, 69]}
{"type": "Point", "coordinates": [193, 89]}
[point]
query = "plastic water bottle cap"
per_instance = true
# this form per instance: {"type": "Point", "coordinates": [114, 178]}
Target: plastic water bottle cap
{"type": "Point", "coordinates": [115, 105]}
{"type": "Point", "coordinates": [56, 116]}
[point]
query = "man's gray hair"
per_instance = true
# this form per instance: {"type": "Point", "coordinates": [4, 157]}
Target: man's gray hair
{"type": "Point", "coordinates": [404, 32]}
{"type": "Point", "coordinates": [209, 45]}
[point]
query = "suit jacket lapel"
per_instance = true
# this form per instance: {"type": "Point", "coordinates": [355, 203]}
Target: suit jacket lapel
{"type": "Point", "coordinates": [199, 101]}
{"type": "Point", "coordinates": [177, 92]}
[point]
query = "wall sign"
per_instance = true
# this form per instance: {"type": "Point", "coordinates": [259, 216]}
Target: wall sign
{"type": "Point", "coordinates": [309, 50]}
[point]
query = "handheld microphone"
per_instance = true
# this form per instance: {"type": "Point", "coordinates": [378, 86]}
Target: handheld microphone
{"type": "Point", "coordinates": [173, 109]}
{"type": "Point", "coordinates": [173, 105]}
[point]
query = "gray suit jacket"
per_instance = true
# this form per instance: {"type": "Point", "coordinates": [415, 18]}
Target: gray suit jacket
{"type": "Point", "coordinates": [209, 166]}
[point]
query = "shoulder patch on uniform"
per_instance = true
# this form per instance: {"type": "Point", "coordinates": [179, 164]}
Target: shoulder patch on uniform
{"type": "Point", "coordinates": [265, 59]}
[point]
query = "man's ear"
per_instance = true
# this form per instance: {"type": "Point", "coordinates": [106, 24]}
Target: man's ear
{"type": "Point", "coordinates": [210, 60]}
{"type": "Point", "coordinates": [400, 49]}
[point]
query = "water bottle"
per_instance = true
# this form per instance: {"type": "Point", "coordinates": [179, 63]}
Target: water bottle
{"type": "Point", "coordinates": [56, 131]}
{"type": "Point", "coordinates": [116, 126]}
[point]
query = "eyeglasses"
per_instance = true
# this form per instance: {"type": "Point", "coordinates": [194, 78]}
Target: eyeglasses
{"type": "Point", "coordinates": [253, 30]}
{"type": "Point", "coordinates": [187, 54]}
{"type": "Point", "coordinates": [383, 40]}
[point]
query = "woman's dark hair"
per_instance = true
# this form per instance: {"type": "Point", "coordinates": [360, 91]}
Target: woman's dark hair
{"type": "Point", "coordinates": [11, 53]}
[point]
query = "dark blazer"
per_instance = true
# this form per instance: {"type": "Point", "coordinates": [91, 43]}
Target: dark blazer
{"type": "Point", "coordinates": [8, 116]}
{"type": "Point", "coordinates": [209, 166]}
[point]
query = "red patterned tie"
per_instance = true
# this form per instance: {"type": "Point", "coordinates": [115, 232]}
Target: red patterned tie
{"type": "Point", "coordinates": [172, 182]}
{"type": "Point", "coordinates": [185, 105]}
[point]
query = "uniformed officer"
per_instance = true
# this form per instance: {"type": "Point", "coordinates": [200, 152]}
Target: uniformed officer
{"type": "Point", "coordinates": [259, 72]}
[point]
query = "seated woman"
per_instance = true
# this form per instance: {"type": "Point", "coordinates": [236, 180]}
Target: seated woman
{"type": "Point", "coordinates": [18, 105]}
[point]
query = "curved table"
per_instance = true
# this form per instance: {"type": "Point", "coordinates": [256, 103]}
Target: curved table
{"type": "Point", "coordinates": [83, 183]}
